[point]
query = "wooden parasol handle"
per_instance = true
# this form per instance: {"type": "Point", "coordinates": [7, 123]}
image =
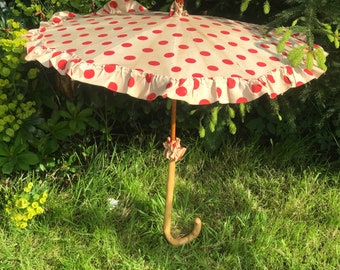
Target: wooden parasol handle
{"type": "Point", "coordinates": [170, 194]}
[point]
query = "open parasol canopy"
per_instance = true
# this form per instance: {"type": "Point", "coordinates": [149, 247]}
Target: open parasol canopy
{"type": "Point", "coordinates": [197, 59]}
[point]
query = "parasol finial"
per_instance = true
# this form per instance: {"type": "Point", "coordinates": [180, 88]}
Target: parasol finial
{"type": "Point", "coordinates": [177, 8]}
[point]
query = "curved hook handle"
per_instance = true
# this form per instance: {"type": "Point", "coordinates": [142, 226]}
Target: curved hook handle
{"type": "Point", "coordinates": [186, 239]}
{"type": "Point", "coordinates": [168, 210]}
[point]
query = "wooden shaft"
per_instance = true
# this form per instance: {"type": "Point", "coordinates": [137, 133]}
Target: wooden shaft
{"type": "Point", "coordinates": [170, 194]}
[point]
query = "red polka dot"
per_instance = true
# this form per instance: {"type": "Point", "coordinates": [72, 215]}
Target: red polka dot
{"type": "Point", "coordinates": [198, 40]}
{"type": "Point", "coordinates": [191, 29]}
{"type": "Point", "coordinates": [87, 43]}
{"type": "Point", "coordinates": [65, 35]}
{"type": "Point", "coordinates": [50, 41]}
{"type": "Point", "coordinates": [197, 75]}
{"type": "Point", "coordinates": [289, 70]}
{"type": "Point", "coordinates": [252, 50]}
{"type": "Point", "coordinates": [171, 25]}
{"type": "Point", "coordinates": [227, 62]}
{"type": "Point", "coordinates": [204, 102]}
{"type": "Point", "coordinates": [163, 42]}
{"type": "Point", "coordinates": [231, 83]}
{"type": "Point", "coordinates": [205, 53]}
{"type": "Point", "coordinates": [143, 38]}
{"type": "Point", "coordinates": [255, 88]}
{"type": "Point", "coordinates": [264, 46]}
{"type": "Point", "coordinates": [117, 28]}
{"type": "Point", "coordinates": [102, 35]}
{"type": "Point", "coordinates": [106, 43]}
{"type": "Point", "coordinates": [71, 15]}
{"type": "Point", "coordinates": [234, 44]}
{"type": "Point", "coordinates": [149, 77]}
{"type": "Point", "coordinates": [213, 68]}
{"type": "Point", "coordinates": [299, 84]}
{"type": "Point", "coordinates": [131, 82]}
{"type": "Point", "coordinates": [212, 35]}
{"type": "Point", "coordinates": [196, 84]}
{"type": "Point", "coordinates": [236, 30]}
{"type": "Point", "coordinates": [62, 64]}
{"type": "Point", "coordinates": [244, 38]}
{"type": "Point", "coordinates": [308, 72]}
{"type": "Point", "coordinates": [169, 85]}
{"type": "Point", "coordinates": [190, 60]}
{"type": "Point", "coordinates": [147, 50]}
{"type": "Point", "coordinates": [56, 20]}
{"type": "Point", "coordinates": [225, 32]}
{"type": "Point", "coordinates": [70, 51]}
{"type": "Point", "coordinates": [67, 42]}
{"type": "Point", "coordinates": [261, 64]}
{"type": "Point", "coordinates": [157, 31]}
{"type": "Point", "coordinates": [154, 63]}
{"type": "Point", "coordinates": [121, 36]}
{"type": "Point", "coordinates": [151, 97]}
{"type": "Point", "coordinates": [181, 81]}
{"type": "Point", "coordinates": [90, 51]}
{"type": "Point", "coordinates": [218, 92]}
{"type": "Point", "coordinates": [99, 28]}
{"type": "Point", "coordinates": [113, 4]}
{"type": "Point", "coordinates": [176, 69]}
{"type": "Point", "coordinates": [56, 54]}
{"type": "Point", "coordinates": [177, 35]}
{"type": "Point", "coordinates": [204, 26]}
{"type": "Point", "coordinates": [110, 68]}
{"type": "Point", "coordinates": [42, 30]}
{"type": "Point", "coordinates": [169, 55]}
{"type": "Point", "coordinates": [181, 91]}
{"type": "Point", "coordinates": [273, 95]}
{"type": "Point", "coordinates": [112, 22]}
{"type": "Point", "coordinates": [89, 73]}
{"type": "Point", "coordinates": [107, 53]}
{"type": "Point", "coordinates": [183, 47]}
{"type": "Point", "coordinates": [286, 79]}
{"type": "Point", "coordinates": [241, 57]}
{"type": "Point", "coordinates": [219, 47]}
{"type": "Point", "coordinates": [270, 78]}
{"type": "Point", "coordinates": [126, 45]}
{"type": "Point", "coordinates": [130, 57]}
{"type": "Point", "coordinates": [273, 58]}
{"type": "Point", "coordinates": [85, 35]}
{"type": "Point", "coordinates": [241, 100]}
{"type": "Point", "coordinates": [251, 72]}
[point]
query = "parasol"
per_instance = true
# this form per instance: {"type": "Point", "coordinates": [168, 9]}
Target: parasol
{"type": "Point", "coordinates": [197, 59]}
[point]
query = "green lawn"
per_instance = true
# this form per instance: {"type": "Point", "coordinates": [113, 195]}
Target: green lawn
{"type": "Point", "coordinates": [261, 209]}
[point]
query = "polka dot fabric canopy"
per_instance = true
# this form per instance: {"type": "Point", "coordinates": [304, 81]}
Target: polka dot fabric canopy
{"type": "Point", "coordinates": [197, 59]}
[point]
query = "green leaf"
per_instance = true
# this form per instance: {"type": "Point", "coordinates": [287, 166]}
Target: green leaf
{"type": "Point", "coordinates": [8, 167]}
{"type": "Point", "coordinates": [87, 113]}
{"type": "Point", "coordinates": [4, 150]}
{"type": "Point", "coordinates": [266, 7]}
{"type": "Point", "coordinates": [296, 55]}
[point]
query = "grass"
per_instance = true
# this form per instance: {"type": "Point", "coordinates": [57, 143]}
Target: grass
{"type": "Point", "coordinates": [259, 210]}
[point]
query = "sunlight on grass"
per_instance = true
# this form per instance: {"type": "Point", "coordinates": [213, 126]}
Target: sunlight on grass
{"type": "Point", "coordinates": [257, 214]}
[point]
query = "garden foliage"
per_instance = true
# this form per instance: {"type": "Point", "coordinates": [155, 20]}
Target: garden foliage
{"type": "Point", "coordinates": [48, 122]}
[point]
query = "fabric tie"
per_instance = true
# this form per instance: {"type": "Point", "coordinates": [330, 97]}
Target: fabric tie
{"type": "Point", "coordinates": [173, 149]}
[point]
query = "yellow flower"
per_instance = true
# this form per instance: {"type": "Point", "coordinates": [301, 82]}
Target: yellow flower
{"type": "Point", "coordinates": [42, 200]}
{"type": "Point", "coordinates": [29, 187]}
{"type": "Point", "coordinates": [35, 204]}
{"type": "Point", "coordinates": [21, 225]}
{"type": "Point", "coordinates": [17, 217]}
{"type": "Point", "coordinates": [21, 203]}
{"type": "Point", "coordinates": [39, 210]}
